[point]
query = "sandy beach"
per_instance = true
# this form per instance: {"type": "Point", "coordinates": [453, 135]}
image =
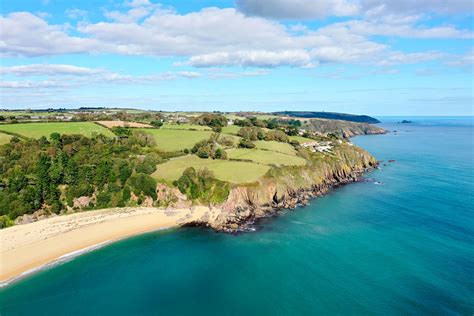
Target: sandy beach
{"type": "Point", "coordinates": [26, 247]}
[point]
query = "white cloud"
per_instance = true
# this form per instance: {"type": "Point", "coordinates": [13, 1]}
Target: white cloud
{"type": "Point", "coordinates": [189, 74]}
{"type": "Point", "coordinates": [76, 13]}
{"type": "Point", "coordinates": [466, 60]}
{"type": "Point", "coordinates": [297, 9]}
{"type": "Point", "coordinates": [399, 58]}
{"type": "Point", "coordinates": [217, 37]}
{"type": "Point", "coordinates": [254, 58]}
{"type": "Point", "coordinates": [49, 70]}
{"type": "Point", "coordinates": [28, 84]}
{"type": "Point", "coordinates": [404, 7]}
{"type": "Point", "coordinates": [404, 27]}
{"type": "Point", "coordinates": [316, 9]}
{"type": "Point", "coordinates": [24, 34]}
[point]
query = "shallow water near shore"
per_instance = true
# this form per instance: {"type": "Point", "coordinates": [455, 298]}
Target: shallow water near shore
{"type": "Point", "coordinates": [404, 246]}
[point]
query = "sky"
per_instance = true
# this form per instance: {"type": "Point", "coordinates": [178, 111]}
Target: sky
{"type": "Point", "coordinates": [375, 57]}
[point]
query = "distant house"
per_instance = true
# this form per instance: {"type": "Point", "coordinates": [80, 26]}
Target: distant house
{"type": "Point", "coordinates": [182, 119]}
{"type": "Point", "coordinates": [318, 146]}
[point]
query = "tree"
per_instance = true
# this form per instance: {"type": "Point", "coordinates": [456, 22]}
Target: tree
{"type": "Point", "coordinates": [251, 133]}
{"type": "Point", "coordinates": [245, 143]}
{"type": "Point", "coordinates": [157, 123]}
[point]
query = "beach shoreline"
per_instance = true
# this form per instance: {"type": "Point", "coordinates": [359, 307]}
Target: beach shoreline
{"type": "Point", "coordinates": [29, 248]}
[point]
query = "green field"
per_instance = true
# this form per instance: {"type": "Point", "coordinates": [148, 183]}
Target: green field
{"type": "Point", "coordinates": [266, 117]}
{"type": "Point", "coordinates": [4, 138]}
{"type": "Point", "coordinates": [276, 146]}
{"type": "Point", "coordinates": [36, 130]}
{"type": "Point", "coordinates": [265, 157]}
{"type": "Point", "coordinates": [174, 140]}
{"type": "Point", "coordinates": [301, 139]}
{"type": "Point", "coordinates": [186, 126]}
{"type": "Point", "coordinates": [23, 113]}
{"type": "Point", "coordinates": [230, 129]}
{"type": "Point", "coordinates": [230, 171]}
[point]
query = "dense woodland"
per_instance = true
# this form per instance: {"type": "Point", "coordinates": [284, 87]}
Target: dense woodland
{"type": "Point", "coordinates": [49, 174]}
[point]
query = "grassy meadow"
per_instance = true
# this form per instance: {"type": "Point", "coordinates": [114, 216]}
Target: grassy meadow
{"type": "Point", "coordinates": [275, 146]}
{"type": "Point", "coordinates": [225, 170]}
{"type": "Point", "coordinates": [174, 140]}
{"type": "Point", "coordinates": [231, 129]}
{"type": "Point", "coordinates": [186, 127]}
{"type": "Point", "coordinates": [266, 157]}
{"type": "Point", "coordinates": [36, 130]}
{"type": "Point", "coordinates": [23, 113]}
{"type": "Point", "coordinates": [4, 138]}
{"type": "Point", "coordinates": [301, 139]}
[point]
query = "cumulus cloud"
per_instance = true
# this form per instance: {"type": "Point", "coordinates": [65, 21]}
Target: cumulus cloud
{"type": "Point", "coordinates": [215, 37]}
{"type": "Point", "coordinates": [25, 34]}
{"type": "Point", "coordinates": [298, 9]}
{"type": "Point", "coordinates": [316, 9]}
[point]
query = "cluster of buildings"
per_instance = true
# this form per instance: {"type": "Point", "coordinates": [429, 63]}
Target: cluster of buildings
{"type": "Point", "coordinates": [318, 146]}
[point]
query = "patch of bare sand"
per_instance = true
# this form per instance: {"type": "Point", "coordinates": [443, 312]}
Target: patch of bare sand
{"type": "Point", "coordinates": [25, 247]}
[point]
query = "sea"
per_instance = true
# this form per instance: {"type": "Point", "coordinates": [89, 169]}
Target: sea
{"type": "Point", "coordinates": [399, 243]}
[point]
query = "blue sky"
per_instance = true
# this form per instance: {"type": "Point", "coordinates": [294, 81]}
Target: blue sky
{"type": "Point", "coordinates": [376, 57]}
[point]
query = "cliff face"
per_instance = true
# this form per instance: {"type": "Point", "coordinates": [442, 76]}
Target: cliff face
{"type": "Point", "coordinates": [288, 187]}
{"type": "Point", "coordinates": [342, 128]}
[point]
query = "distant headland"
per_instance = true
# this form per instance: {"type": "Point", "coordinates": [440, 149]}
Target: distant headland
{"type": "Point", "coordinates": [331, 116]}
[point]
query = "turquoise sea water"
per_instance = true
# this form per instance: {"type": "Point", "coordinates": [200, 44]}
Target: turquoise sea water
{"type": "Point", "coordinates": [402, 247]}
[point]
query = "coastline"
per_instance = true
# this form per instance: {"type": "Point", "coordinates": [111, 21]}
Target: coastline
{"type": "Point", "coordinates": [31, 247]}
{"type": "Point", "coordinates": [28, 248]}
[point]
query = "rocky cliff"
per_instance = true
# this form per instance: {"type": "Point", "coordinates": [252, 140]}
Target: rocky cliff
{"type": "Point", "coordinates": [340, 128]}
{"type": "Point", "coordinates": [288, 187]}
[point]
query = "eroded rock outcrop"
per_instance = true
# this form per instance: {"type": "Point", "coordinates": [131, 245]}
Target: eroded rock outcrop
{"type": "Point", "coordinates": [290, 187]}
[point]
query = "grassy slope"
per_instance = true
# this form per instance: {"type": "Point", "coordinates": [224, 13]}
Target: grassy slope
{"type": "Point", "coordinates": [36, 130]}
{"type": "Point", "coordinates": [186, 126]}
{"type": "Point", "coordinates": [265, 157]}
{"type": "Point", "coordinates": [231, 171]}
{"type": "Point", "coordinates": [4, 138]}
{"type": "Point", "coordinates": [22, 113]}
{"type": "Point", "coordinates": [301, 139]}
{"type": "Point", "coordinates": [276, 146]}
{"type": "Point", "coordinates": [174, 140]}
{"type": "Point", "coordinates": [230, 129]}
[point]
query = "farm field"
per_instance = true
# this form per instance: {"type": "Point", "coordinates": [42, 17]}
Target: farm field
{"type": "Point", "coordinates": [22, 113]}
{"type": "Point", "coordinates": [111, 124]}
{"type": "Point", "coordinates": [36, 130]}
{"type": "Point", "coordinates": [4, 138]}
{"type": "Point", "coordinates": [267, 117]}
{"type": "Point", "coordinates": [301, 139]}
{"type": "Point", "coordinates": [276, 146]}
{"type": "Point", "coordinates": [230, 129]}
{"type": "Point", "coordinates": [186, 126]}
{"type": "Point", "coordinates": [265, 157]}
{"type": "Point", "coordinates": [174, 140]}
{"type": "Point", "coordinates": [225, 170]}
